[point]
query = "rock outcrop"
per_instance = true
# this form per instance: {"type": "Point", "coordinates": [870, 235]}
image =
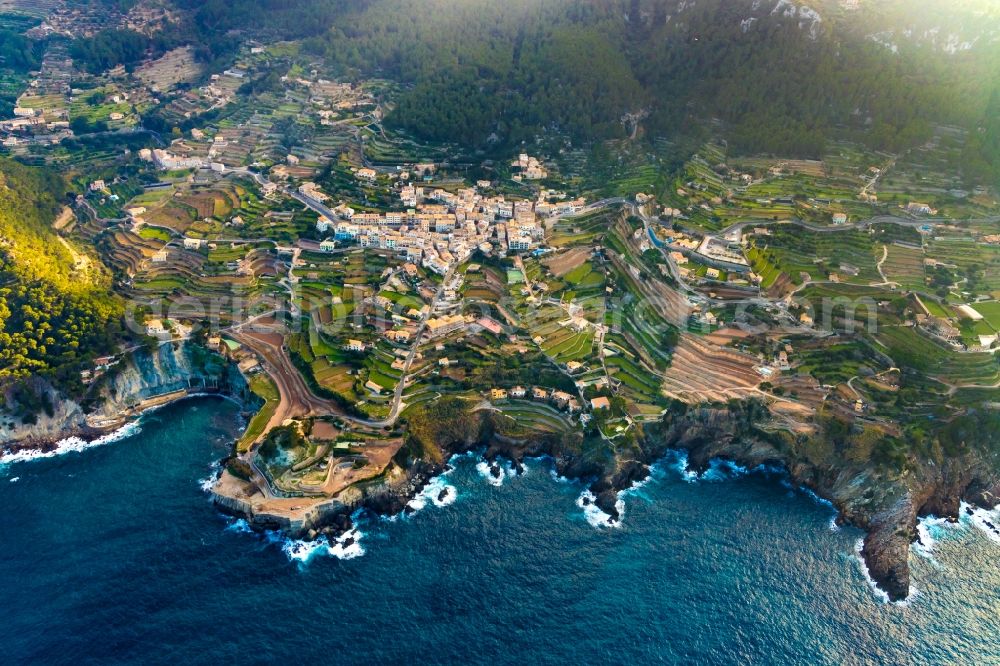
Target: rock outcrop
{"type": "Point", "coordinates": [885, 504]}
{"type": "Point", "coordinates": [141, 380]}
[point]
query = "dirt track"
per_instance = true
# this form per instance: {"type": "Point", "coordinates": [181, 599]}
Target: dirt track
{"type": "Point", "coordinates": [296, 400]}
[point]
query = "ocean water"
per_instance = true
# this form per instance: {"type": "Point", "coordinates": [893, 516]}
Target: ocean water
{"type": "Point", "coordinates": [113, 554]}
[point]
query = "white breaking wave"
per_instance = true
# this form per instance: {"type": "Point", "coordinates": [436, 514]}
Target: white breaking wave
{"type": "Point", "coordinates": [239, 525]}
{"type": "Point", "coordinates": [722, 470]}
{"type": "Point", "coordinates": [681, 465]}
{"type": "Point", "coordinates": [931, 529]}
{"type": "Point", "coordinates": [208, 482]}
{"type": "Point", "coordinates": [344, 551]}
{"type": "Point", "coordinates": [557, 477]}
{"type": "Point", "coordinates": [304, 550]}
{"type": "Point", "coordinates": [345, 547]}
{"type": "Point", "coordinates": [437, 492]}
{"type": "Point", "coordinates": [593, 513]}
{"type": "Point", "coordinates": [985, 520]}
{"type": "Point", "coordinates": [927, 528]}
{"type": "Point", "coordinates": [637, 486]}
{"type": "Point", "coordinates": [14, 479]}
{"type": "Point", "coordinates": [72, 444]}
{"type": "Point", "coordinates": [484, 469]}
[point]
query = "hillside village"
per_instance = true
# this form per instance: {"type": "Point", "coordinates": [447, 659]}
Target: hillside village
{"type": "Point", "coordinates": [358, 278]}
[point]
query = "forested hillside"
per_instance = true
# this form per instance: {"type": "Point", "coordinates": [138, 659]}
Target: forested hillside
{"type": "Point", "coordinates": [56, 308]}
{"type": "Point", "coordinates": [783, 76]}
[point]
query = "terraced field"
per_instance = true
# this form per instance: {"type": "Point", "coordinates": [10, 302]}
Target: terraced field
{"type": "Point", "coordinates": [487, 284]}
{"type": "Point", "coordinates": [640, 383]}
{"type": "Point", "coordinates": [908, 347]}
{"type": "Point", "coordinates": [963, 252]}
{"type": "Point", "coordinates": [991, 312]}
{"type": "Point", "coordinates": [582, 230]}
{"type": "Point", "coordinates": [905, 265]}
{"type": "Point", "coordinates": [762, 266]}
{"type": "Point", "coordinates": [799, 251]}
{"type": "Point", "coordinates": [524, 416]}
{"type": "Point", "coordinates": [702, 372]}
{"type": "Point", "coordinates": [562, 263]}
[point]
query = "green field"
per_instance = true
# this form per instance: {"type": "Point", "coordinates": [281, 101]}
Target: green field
{"type": "Point", "coordinates": [990, 311]}
{"type": "Point", "coordinates": [263, 387]}
{"type": "Point", "coordinates": [909, 348]}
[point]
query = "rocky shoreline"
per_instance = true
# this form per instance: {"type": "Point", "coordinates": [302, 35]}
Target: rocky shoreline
{"type": "Point", "coordinates": [887, 509]}
{"type": "Point", "coordinates": [145, 382]}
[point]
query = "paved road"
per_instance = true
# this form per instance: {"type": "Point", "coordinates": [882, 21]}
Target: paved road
{"type": "Point", "coordinates": [398, 394]}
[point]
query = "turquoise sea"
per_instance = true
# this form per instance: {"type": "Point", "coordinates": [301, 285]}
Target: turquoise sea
{"type": "Point", "coordinates": [113, 554]}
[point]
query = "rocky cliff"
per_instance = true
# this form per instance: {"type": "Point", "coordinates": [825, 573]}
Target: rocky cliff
{"type": "Point", "coordinates": [140, 380]}
{"type": "Point", "coordinates": [884, 504]}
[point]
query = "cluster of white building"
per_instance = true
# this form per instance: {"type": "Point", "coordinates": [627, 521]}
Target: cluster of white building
{"type": "Point", "coordinates": [528, 168]}
{"type": "Point", "coordinates": [440, 227]}
{"type": "Point", "coordinates": [166, 160]}
{"type": "Point", "coordinates": [35, 122]}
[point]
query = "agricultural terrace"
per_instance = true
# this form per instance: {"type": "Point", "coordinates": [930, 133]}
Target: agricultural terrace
{"type": "Point", "coordinates": [991, 313]}
{"type": "Point", "coordinates": [583, 230]}
{"type": "Point", "coordinates": [963, 258]}
{"type": "Point", "coordinates": [803, 255]}
{"type": "Point", "coordinates": [910, 348]}
{"type": "Point", "coordinates": [523, 418]}
{"type": "Point", "coordinates": [713, 191]}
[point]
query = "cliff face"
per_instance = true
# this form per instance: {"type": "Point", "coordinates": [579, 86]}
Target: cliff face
{"type": "Point", "coordinates": [67, 419]}
{"type": "Point", "coordinates": [885, 505]}
{"type": "Point", "coordinates": [143, 379]}
{"type": "Point", "coordinates": [170, 368]}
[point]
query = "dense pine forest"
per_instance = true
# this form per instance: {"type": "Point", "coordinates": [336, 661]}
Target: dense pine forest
{"type": "Point", "coordinates": [783, 78]}
{"type": "Point", "coordinates": [56, 308]}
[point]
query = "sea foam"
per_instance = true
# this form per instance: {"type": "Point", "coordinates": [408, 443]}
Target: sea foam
{"type": "Point", "coordinates": [208, 482]}
{"type": "Point", "coordinates": [679, 463]}
{"type": "Point", "coordinates": [431, 494]}
{"type": "Point", "coordinates": [929, 530]}
{"type": "Point", "coordinates": [484, 470]}
{"type": "Point", "coordinates": [593, 513]}
{"type": "Point", "coordinates": [71, 445]}
{"type": "Point", "coordinates": [302, 551]}
{"type": "Point", "coordinates": [985, 520]}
